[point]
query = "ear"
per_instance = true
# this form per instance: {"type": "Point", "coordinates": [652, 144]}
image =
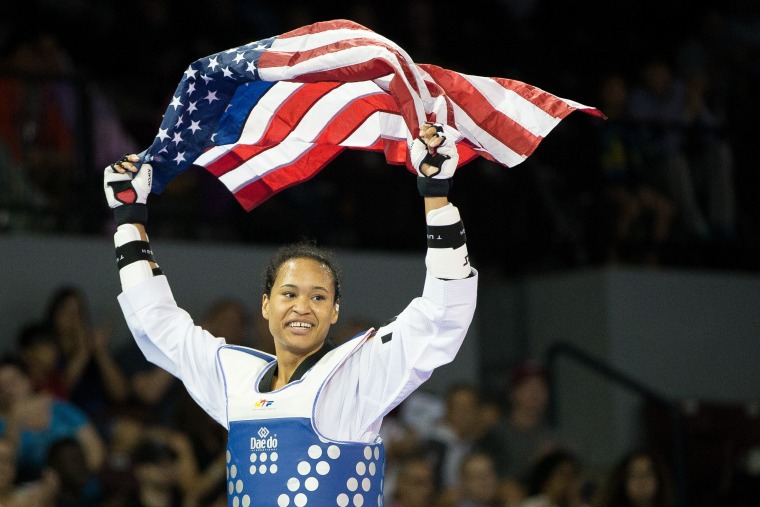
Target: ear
{"type": "Point", "coordinates": [336, 309]}
{"type": "Point", "coordinates": [265, 306]}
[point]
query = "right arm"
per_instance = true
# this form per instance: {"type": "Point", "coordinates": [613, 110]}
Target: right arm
{"type": "Point", "coordinates": [165, 333]}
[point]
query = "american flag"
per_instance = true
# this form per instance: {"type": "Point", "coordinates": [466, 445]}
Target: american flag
{"type": "Point", "coordinates": [270, 114]}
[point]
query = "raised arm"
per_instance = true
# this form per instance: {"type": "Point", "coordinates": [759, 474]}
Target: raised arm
{"type": "Point", "coordinates": [165, 333]}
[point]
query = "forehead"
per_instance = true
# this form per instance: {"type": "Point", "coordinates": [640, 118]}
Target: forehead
{"type": "Point", "coordinates": [304, 271]}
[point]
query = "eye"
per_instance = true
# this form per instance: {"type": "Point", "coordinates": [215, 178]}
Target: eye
{"type": "Point", "coordinates": [318, 297]}
{"type": "Point", "coordinates": [288, 294]}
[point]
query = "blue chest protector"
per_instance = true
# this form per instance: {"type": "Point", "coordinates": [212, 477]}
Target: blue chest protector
{"type": "Point", "coordinates": [275, 455]}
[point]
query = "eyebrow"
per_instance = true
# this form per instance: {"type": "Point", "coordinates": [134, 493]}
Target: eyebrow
{"type": "Point", "coordinates": [291, 286]}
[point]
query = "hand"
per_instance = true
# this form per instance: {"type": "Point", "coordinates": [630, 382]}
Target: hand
{"type": "Point", "coordinates": [127, 184]}
{"type": "Point", "coordinates": [435, 160]}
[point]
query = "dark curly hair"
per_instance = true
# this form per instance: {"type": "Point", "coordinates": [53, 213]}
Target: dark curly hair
{"type": "Point", "coordinates": [304, 249]}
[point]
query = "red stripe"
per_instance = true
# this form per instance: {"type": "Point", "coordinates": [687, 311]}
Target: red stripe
{"type": "Point", "coordinates": [284, 177]}
{"type": "Point", "coordinates": [474, 104]}
{"type": "Point", "coordinates": [287, 116]}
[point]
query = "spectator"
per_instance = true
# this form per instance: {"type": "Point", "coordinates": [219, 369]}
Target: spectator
{"type": "Point", "coordinates": [525, 436]}
{"type": "Point", "coordinates": [555, 481]}
{"type": "Point", "coordinates": [34, 421]}
{"type": "Point", "coordinates": [78, 485]}
{"type": "Point", "coordinates": [156, 475]}
{"type": "Point", "coordinates": [415, 483]}
{"type": "Point", "coordinates": [685, 148]}
{"type": "Point", "coordinates": [33, 494]}
{"type": "Point", "coordinates": [641, 217]}
{"type": "Point", "coordinates": [455, 435]}
{"type": "Point", "coordinates": [228, 318]}
{"type": "Point", "coordinates": [639, 479]}
{"type": "Point", "coordinates": [39, 355]}
{"type": "Point", "coordinates": [479, 483]}
{"type": "Point", "coordinates": [92, 378]}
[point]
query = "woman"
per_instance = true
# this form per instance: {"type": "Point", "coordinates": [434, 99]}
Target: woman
{"type": "Point", "coordinates": [303, 424]}
{"type": "Point", "coordinates": [639, 479]}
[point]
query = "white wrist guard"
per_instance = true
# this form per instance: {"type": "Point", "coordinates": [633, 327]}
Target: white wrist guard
{"type": "Point", "coordinates": [133, 256]}
{"type": "Point", "coordinates": [447, 248]}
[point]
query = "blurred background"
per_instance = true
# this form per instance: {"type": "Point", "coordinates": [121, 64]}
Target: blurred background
{"type": "Point", "coordinates": [622, 256]}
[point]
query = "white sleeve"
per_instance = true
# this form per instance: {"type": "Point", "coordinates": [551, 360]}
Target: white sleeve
{"type": "Point", "coordinates": [169, 339]}
{"type": "Point", "coordinates": [398, 359]}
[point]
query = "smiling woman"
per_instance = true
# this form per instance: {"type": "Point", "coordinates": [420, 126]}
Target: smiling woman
{"type": "Point", "coordinates": [303, 423]}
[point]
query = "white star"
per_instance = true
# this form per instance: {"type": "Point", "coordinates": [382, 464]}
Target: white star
{"type": "Point", "coordinates": [206, 79]}
{"type": "Point", "coordinates": [239, 58]}
{"type": "Point", "coordinates": [163, 134]}
{"type": "Point", "coordinates": [163, 150]}
{"type": "Point", "coordinates": [177, 138]}
{"type": "Point", "coordinates": [190, 88]}
{"type": "Point", "coordinates": [192, 107]}
{"type": "Point", "coordinates": [213, 137]}
{"type": "Point", "coordinates": [251, 67]}
{"type": "Point", "coordinates": [180, 157]}
{"type": "Point", "coordinates": [211, 97]}
{"type": "Point", "coordinates": [190, 73]}
{"type": "Point", "coordinates": [179, 121]}
{"type": "Point", "coordinates": [175, 102]}
{"type": "Point", "coordinates": [212, 63]}
{"type": "Point", "coordinates": [194, 126]}
{"type": "Point", "coordinates": [227, 72]}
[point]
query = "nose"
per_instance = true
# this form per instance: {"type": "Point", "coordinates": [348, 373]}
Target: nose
{"type": "Point", "coordinates": [301, 305]}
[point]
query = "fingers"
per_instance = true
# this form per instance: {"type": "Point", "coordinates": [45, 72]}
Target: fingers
{"type": "Point", "coordinates": [431, 135]}
{"type": "Point", "coordinates": [126, 164]}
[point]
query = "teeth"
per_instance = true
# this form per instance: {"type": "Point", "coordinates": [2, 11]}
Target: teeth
{"type": "Point", "coordinates": [300, 324]}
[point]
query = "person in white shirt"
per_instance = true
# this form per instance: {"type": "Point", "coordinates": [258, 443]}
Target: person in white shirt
{"type": "Point", "coordinates": [303, 424]}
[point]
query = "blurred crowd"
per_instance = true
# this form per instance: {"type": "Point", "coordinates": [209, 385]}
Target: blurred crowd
{"type": "Point", "coordinates": [668, 179]}
{"type": "Point", "coordinates": [85, 421]}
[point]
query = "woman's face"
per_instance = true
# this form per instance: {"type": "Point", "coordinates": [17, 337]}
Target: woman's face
{"type": "Point", "coordinates": [301, 307]}
{"type": "Point", "coordinates": [14, 385]}
{"type": "Point", "coordinates": [69, 314]}
{"type": "Point", "coordinates": [641, 481]}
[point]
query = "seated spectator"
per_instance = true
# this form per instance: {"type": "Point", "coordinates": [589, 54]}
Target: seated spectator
{"type": "Point", "coordinates": [415, 483]}
{"type": "Point", "coordinates": [156, 476]}
{"type": "Point", "coordinates": [456, 435]}
{"type": "Point", "coordinates": [39, 355]}
{"type": "Point", "coordinates": [78, 485]}
{"type": "Point", "coordinates": [555, 481]}
{"type": "Point", "coordinates": [228, 318]}
{"type": "Point", "coordinates": [92, 378]}
{"type": "Point", "coordinates": [39, 493]}
{"type": "Point", "coordinates": [641, 216]}
{"type": "Point", "coordinates": [479, 483]}
{"type": "Point", "coordinates": [34, 421]}
{"type": "Point", "coordinates": [638, 479]}
{"type": "Point", "coordinates": [525, 435]}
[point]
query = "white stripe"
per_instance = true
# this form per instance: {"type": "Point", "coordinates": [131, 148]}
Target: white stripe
{"type": "Point", "coordinates": [308, 42]}
{"type": "Point", "coordinates": [480, 137]}
{"type": "Point", "coordinates": [379, 124]}
{"type": "Point", "coordinates": [346, 58]}
{"type": "Point", "coordinates": [531, 117]}
{"type": "Point", "coordinates": [318, 116]}
{"type": "Point", "coordinates": [255, 126]}
{"type": "Point", "coordinates": [265, 162]}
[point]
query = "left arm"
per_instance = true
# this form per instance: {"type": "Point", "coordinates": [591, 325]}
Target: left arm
{"type": "Point", "coordinates": [427, 334]}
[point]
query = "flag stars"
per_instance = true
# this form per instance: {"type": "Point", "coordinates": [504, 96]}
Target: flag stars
{"type": "Point", "coordinates": [176, 102]}
{"type": "Point", "coordinates": [177, 139]}
{"type": "Point", "coordinates": [190, 73]}
{"type": "Point", "coordinates": [211, 97]}
{"type": "Point", "coordinates": [213, 63]}
{"type": "Point", "coordinates": [251, 67]}
{"type": "Point", "coordinates": [206, 78]}
{"type": "Point", "coordinates": [239, 58]}
{"type": "Point", "coordinates": [191, 108]}
{"type": "Point", "coordinates": [163, 134]}
{"type": "Point", "coordinates": [180, 157]}
{"type": "Point", "coordinates": [194, 126]}
{"type": "Point", "coordinates": [180, 121]}
{"type": "Point", "coordinates": [227, 72]}
{"type": "Point", "coordinates": [190, 89]}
